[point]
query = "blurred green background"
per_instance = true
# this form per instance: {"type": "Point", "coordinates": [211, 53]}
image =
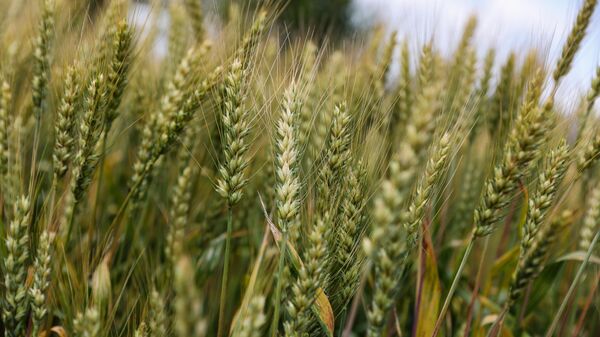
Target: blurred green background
{"type": "Point", "coordinates": [315, 17]}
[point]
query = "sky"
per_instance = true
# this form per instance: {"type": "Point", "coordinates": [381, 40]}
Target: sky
{"type": "Point", "coordinates": [503, 24]}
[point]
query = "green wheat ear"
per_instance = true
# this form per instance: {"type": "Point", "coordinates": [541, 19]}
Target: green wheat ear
{"type": "Point", "coordinates": [255, 318]}
{"type": "Point", "coordinates": [157, 319]}
{"type": "Point", "coordinates": [187, 302]}
{"type": "Point", "coordinates": [590, 219]}
{"type": "Point", "coordinates": [64, 128]}
{"type": "Point", "coordinates": [181, 199]}
{"type": "Point", "coordinates": [401, 238]}
{"type": "Point", "coordinates": [236, 125]}
{"type": "Point", "coordinates": [525, 139]}
{"type": "Point", "coordinates": [41, 281]}
{"type": "Point", "coordinates": [532, 263]}
{"type": "Point", "coordinates": [15, 302]}
{"type": "Point", "coordinates": [536, 238]}
{"type": "Point", "coordinates": [5, 103]}
{"type": "Point", "coordinates": [574, 40]}
{"type": "Point", "coordinates": [311, 277]}
{"type": "Point", "coordinates": [87, 323]}
{"type": "Point", "coordinates": [86, 154]}
{"type": "Point", "coordinates": [287, 164]}
{"type": "Point", "coordinates": [42, 56]}
{"type": "Point", "coordinates": [194, 10]}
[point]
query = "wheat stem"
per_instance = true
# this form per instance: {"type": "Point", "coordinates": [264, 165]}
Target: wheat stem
{"type": "Point", "coordinates": [225, 277]}
{"type": "Point", "coordinates": [463, 263]}
{"type": "Point", "coordinates": [567, 297]}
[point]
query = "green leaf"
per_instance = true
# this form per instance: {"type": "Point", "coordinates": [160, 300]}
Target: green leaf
{"type": "Point", "coordinates": [428, 288]}
{"type": "Point", "coordinates": [578, 256]}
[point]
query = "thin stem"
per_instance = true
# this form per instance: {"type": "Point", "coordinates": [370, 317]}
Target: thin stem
{"type": "Point", "coordinates": [342, 321]}
{"type": "Point", "coordinates": [563, 305]}
{"type": "Point", "coordinates": [463, 262]}
{"type": "Point", "coordinates": [283, 251]}
{"type": "Point", "coordinates": [588, 302]}
{"type": "Point", "coordinates": [32, 173]}
{"type": "Point", "coordinates": [100, 176]}
{"type": "Point", "coordinates": [225, 273]}
{"type": "Point", "coordinates": [476, 288]}
{"type": "Point", "coordinates": [356, 302]}
{"type": "Point", "coordinates": [499, 322]}
{"type": "Point", "coordinates": [51, 206]}
{"type": "Point", "coordinates": [70, 221]}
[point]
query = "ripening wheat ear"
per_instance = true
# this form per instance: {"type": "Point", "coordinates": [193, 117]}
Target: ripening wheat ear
{"type": "Point", "coordinates": [177, 39]}
{"type": "Point", "coordinates": [236, 127]}
{"type": "Point", "coordinates": [250, 42]}
{"type": "Point", "coordinates": [87, 324]}
{"type": "Point", "coordinates": [462, 69]}
{"type": "Point", "coordinates": [419, 129]}
{"type": "Point", "coordinates": [470, 190]}
{"type": "Point", "coordinates": [337, 153]}
{"type": "Point", "coordinates": [574, 40]}
{"type": "Point", "coordinates": [337, 144]}
{"type": "Point", "coordinates": [118, 70]}
{"type": "Point", "coordinates": [536, 236]}
{"type": "Point", "coordinates": [351, 223]}
{"type": "Point", "coordinates": [308, 283]}
{"type": "Point", "coordinates": [41, 282]}
{"type": "Point", "coordinates": [522, 148]}
{"type": "Point", "coordinates": [426, 64]}
{"type": "Point", "coordinates": [591, 218]}
{"type": "Point", "coordinates": [400, 237]}
{"type": "Point", "coordinates": [15, 300]}
{"type": "Point", "coordinates": [181, 197]}
{"type": "Point", "coordinates": [178, 105]}
{"type": "Point", "coordinates": [142, 330]}
{"type": "Point", "coordinates": [588, 154]}
{"type": "Point", "coordinates": [255, 318]}
{"type": "Point", "coordinates": [336, 157]}
{"type": "Point", "coordinates": [539, 203]}
{"type": "Point", "coordinates": [591, 97]}
{"type": "Point", "coordinates": [499, 112]}
{"type": "Point", "coordinates": [483, 92]}
{"type": "Point", "coordinates": [404, 163]}
{"type": "Point", "coordinates": [464, 45]}
{"type": "Point", "coordinates": [323, 113]}
{"type": "Point", "coordinates": [101, 288]}
{"type": "Point", "coordinates": [287, 165]}
{"type": "Point", "coordinates": [65, 124]}
{"type": "Point", "coordinates": [532, 263]}
{"type": "Point", "coordinates": [433, 172]}
{"type": "Point", "coordinates": [594, 90]}
{"type": "Point", "coordinates": [288, 183]}
{"type": "Point", "coordinates": [41, 56]}
{"type": "Point", "coordinates": [465, 82]}
{"type": "Point", "coordinates": [311, 97]}
{"type": "Point", "coordinates": [5, 101]}
{"type": "Point", "coordinates": [380, 71]}
{"type": "Point", "coordinates": [187, 303]}
{"type": "Point", "coordinates": [403, 104]}
{"type": "Point", "coordinates": [194, 10]}
{"type": "Point", "coordinates": [86, 156]}
{"type": "Point", "coordinates": [157, 319]}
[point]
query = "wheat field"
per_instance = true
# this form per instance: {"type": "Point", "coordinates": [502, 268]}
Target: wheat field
{"type": "Point", "coordinates": [252, 182]}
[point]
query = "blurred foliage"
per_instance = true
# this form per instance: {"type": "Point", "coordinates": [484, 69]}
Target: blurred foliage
{"type": "Point", "coordinates": [318, 18]}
